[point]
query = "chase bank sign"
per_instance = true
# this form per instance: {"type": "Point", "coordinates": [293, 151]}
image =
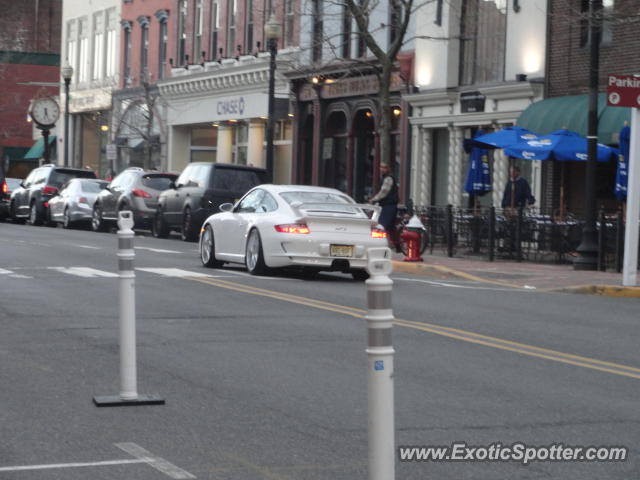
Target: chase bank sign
{"type": "Point", "coordinates": [233, 106]}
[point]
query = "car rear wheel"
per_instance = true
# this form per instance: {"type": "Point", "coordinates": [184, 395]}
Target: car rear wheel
{"type": "Point", "coordinates": [207, 249]}
{"type": "Point", "coordinates": [14, 217]}
{"type": "Point", "coordinates": [97, 222]}
{"type": "Point", "coordinates": [360, 275]}
{"type": "Point", "coordinates": [159, 228]}
{"type": "Point", "coordinates": [35, 217]}
{"type": "Point", "coordinates": [188, 233]}
{"type": "Point", "coordinates": [254, 256]}
{"type": "Point", "coordinates": [66, 219]}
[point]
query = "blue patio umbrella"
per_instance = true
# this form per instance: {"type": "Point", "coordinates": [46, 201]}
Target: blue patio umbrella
{"type": "Point", "coordinates": [561, 145]}
{"type": "Point", "coordinates": [504, 138]}
{"type": "Point", "coordinates": [478, 177]}
{"type": "Point", "coordinates": [623, 159]}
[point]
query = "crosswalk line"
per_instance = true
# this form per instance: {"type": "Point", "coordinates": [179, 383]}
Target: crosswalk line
{"type": "Point", "coordinates": [174, 272]}
{"type": "Point", "coordinates": [85, 272]}
{"type": "Point", "coordinates": [5, 272]}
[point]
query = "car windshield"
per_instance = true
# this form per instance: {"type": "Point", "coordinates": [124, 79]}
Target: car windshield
{"type": "Point", "coordinates": [93, 187]}
{"type": "Point", "coordinates": [60, 177]}
{"type": "Point", "coordinates": [316, 201]}
{"type": "Point", "coordinates": [236, 180]}
{"type": "Point", "coordinates": [158, 182]}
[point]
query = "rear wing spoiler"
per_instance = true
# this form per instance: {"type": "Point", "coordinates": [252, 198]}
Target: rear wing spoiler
{"type": "Point", "coordinates": [371, 211]}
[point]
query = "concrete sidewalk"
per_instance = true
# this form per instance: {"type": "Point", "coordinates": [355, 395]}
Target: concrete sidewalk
{"type": "Point", "coordinates": [526, 275]}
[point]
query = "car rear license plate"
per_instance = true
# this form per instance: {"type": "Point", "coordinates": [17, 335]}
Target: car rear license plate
{"type": "Point", "coordinates": [341, 250]}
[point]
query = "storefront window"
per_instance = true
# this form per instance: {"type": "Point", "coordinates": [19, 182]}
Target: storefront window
{"type": "Point", "coordinates": [241, 143]}
{"type": "Point", "coordinates": [203, 144]}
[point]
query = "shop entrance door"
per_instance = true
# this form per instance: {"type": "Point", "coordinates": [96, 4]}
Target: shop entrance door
{"type": "Point", "coordinates": [363, 155]}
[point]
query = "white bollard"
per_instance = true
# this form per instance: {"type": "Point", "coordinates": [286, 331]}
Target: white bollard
{"type": "Point", "coordinates": [126, 255]}
{"type": "Point", "coordinates": [380, 364]}
{"type": "Point", "coordinates": [128, 362]}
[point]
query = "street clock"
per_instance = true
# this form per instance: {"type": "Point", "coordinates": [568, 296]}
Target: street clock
{"type": "Point", "coordinates": [45, 111]}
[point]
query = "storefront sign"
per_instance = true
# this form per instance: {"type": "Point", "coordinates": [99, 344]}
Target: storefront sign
{"type": "Point", "coordinates": [623, 91]}
{"type": "Point", "coordinates": [349, 87]}
{"type": "Point", "coordinates": [89, 100]}
{"type": "Point", "coordinates": [471, 102]}
{"type": "Point", "coordinates": [232, 106]}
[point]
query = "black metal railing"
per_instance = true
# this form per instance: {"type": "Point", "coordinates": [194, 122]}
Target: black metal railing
{"type": "Point", "coordinates": [516, 234]}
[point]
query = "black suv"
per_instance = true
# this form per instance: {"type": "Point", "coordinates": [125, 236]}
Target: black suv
{"type": "Point", "coordinates": [30, 200]}
{"type": "Point", "coordinates": [198, 192]}
{"type": "Point", "coordinates": [134, 189]}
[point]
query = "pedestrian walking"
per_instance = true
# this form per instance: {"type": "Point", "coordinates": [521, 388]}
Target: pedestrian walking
{"type": "Point", "coordinates": [387, 198]}
{"type": "Point", "coordinates": [517, 192]}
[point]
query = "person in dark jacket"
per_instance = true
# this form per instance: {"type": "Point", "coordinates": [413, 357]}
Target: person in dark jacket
{"type": "Point", "coordinates": [517, 192]}
{"type": "Point", "coordinates": [387, 198]}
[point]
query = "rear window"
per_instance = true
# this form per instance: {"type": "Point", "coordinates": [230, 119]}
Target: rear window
{"type": "Point", "coordinates": [316, 202]}
{"type": "Point", "coordinates": [158, 182]}
{"type": "Point", "coordinates": [236, 180]}
{"type": "Point", "coordinates": [13, 183]}
{"type": "Point", "coordinates": [60, 177]}
{"type": "Point", "coordinates": [93, 187]}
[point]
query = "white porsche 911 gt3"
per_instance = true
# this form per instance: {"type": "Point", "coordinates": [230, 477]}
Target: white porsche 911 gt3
{"type": "Point", "coordinates": [276, 226]}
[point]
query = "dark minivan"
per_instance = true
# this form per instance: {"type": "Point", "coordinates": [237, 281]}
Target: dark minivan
{"type": "Point", "coordinates": [198, 192]}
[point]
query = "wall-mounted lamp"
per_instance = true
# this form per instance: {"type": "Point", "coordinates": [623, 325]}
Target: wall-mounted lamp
{"type": "Point", "coordinates": [397, 111]}
{"type": "Point", "coordinates": [368, 114]}
{"type": "Point", "coordinates": [521, 77]}
{"type": "Point", "coordinates": [516, 6]}
{"type": "Point", "coordinates": [104, 128]}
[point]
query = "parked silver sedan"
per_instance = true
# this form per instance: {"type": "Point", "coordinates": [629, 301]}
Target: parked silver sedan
{"type": "Point", "coordinates": [73, 204]}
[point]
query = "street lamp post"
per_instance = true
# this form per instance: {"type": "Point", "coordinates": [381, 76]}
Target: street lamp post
{"type": "Point", "coordinates": [588, 248]}
{"type": "Point", "coordinates": [67, 73]}
{"type": "Point", "coordinates": [273, 31]}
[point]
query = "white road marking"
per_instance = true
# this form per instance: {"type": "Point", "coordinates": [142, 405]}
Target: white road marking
{"type": "Point", "coordinates": [85, 272]}
{"type": "Point", "coordinates": [5, 272]}
{"type": "Point", "coordinates": [247, 274]}
{"type": "Point", "coordinates": [154, 461]}
{"type": "Point", "coordinates": [18, 275]}
{"type": "Point", "coordinates": [157, 250]}
{"type": "Point", "coordinates": [453, 285]}
{"type": "Point", "coordinates": [71, 465]}
{"type": "Point", "coordinates": [88, 246]}
{"type": "Point", "coordinates": [173, 272]}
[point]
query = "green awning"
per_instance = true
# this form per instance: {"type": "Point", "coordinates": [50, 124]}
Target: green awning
{"type": "Point", "coordinates": [37, 149]}
{"type": "Point", "coordinates": [572, 112]}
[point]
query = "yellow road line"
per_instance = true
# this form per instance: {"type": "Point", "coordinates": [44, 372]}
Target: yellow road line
{"type": "Point", "coordinates": [450, 332]}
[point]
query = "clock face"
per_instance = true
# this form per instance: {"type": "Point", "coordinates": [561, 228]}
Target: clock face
{"type": "Point", "coordinates": [45, 111]}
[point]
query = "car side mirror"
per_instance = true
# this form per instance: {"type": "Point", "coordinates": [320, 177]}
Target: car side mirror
{"type": "Point", "coordinates": [226, 207]}
{"type": "Point", "coordinates": [22, 185]}
{"type": "Point", "coordinates": [172, 185]}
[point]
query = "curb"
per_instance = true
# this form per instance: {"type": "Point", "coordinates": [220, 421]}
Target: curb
{"type": "Point", "coordinates": [601, 290]}
{"type": "Point", "coordinates": [441, 271]}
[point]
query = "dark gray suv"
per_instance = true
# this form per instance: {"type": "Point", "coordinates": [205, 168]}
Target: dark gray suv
{"type": "Point", "coordinates": [134, 189]}
{"type": "Point", "coordinates": [198, 192]}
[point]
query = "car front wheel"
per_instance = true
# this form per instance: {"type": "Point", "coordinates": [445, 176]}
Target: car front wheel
{"type": "Point", "coordinates": [159, 228]}
{"type": "Point", "coordinates": [254, 256]}
{"type": "Point", "coordinates": [207, 249]}
{"type": "Point", "coordinates": [66, 219]}
{"type": "Point", "coordinates": [189, 233]}
{"type": "Point", "coordinates": [35, 218]}
{"type": "Point", "coordinates": [97, 222]}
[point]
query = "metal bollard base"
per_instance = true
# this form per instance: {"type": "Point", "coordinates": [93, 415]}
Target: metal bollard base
{"type": "Point", "coordinates": [116, 401]}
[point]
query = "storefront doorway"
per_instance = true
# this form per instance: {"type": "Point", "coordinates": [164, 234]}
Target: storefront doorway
{"type": "Point", "coordinates": [363, 155]}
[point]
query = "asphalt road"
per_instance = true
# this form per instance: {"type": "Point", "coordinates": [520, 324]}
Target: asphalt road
{"type": "Point", "coordinates": [265, 378]}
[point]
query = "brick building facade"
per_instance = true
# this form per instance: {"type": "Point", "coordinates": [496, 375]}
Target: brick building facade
{"type": "Point", "coordinates": [29, 52]}
{"type": "Point", "coordinates": [568, 75]}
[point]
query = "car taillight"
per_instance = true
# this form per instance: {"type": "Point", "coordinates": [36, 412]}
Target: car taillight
{"type": "Point", "coordinates": [292, 228]}
{"type": "Point", "coordinates": [49, 190]}
{"type": "Point", "coordinates": [137, 192]}
{"type": "Point", "coordinates": [83, 200]}
{"type": "Point", "coordinates": [378, 233]}
{"type": "Point", "coordinates": [5, 187]}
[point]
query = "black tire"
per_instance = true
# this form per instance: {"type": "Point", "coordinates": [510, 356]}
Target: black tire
{"type": "Point", "coordinates": [97, 222]}
{"type": "Point", "coordinates": [66, 219]}
{"type": "Point", "coordinates": [189, 231]}
{"type": "Point", "coordinates": [35, 217]}
{"type": "Point", "coordinates": [360, 275]}
{"type": "Point", "coordinates": [207, 249]}
{"type": "Point", "coordinates": [14, 218]}
{"type": "Point", "coordinates": [253, 254]}
{"type": "Point", "coordinates": [159, 228]}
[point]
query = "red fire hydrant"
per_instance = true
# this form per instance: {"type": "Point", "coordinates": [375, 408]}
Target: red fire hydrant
{"type": "Point", "coordinates": [412, 236]}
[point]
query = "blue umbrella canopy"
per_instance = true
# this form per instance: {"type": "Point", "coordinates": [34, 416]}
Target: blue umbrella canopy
{"type": "Point", "coordinates": [504, 138]}
{"type": "Point", "coordinates": [623, 158]}
{"type": "Point", "coordinates": [561, 145]}
{"type": "Point", "coordinates": [478, 177]}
